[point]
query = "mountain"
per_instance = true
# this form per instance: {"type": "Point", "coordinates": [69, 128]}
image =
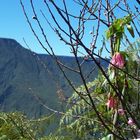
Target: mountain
{"type": "Point", "coordinates": [25, 75]}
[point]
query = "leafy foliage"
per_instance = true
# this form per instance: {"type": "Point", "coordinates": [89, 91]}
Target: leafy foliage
{"type": "Point", "coordinates": [81, 119]}
{"type": "Point", "coordinates": [108, 107]}
{"type": "Point", "coordinates": [54, 137]}
{"type": "Point", "coordinates": [117, 30]}
{"type": "Point", "coordinates": [16, 126]}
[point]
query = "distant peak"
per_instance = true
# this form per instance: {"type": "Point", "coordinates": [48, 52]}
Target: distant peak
{"type": "Point", "coordinates": [8, 40]}
{"type": "Point", "coordinates": [9, 43]}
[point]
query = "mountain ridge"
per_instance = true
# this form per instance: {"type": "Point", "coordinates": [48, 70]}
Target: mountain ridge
{"type": "Point", "coordinates": [25, 74]}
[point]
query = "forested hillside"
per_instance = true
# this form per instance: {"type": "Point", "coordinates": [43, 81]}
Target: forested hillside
{"type": "Point", "coordinates": [25, 75]}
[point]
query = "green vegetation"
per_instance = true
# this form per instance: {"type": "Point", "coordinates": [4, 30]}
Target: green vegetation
{"type": "Point", "coordinates": [80, 121]}
{"type": "Point", "coordinates": [15, 126]}
{"type": "Point", "coordinates": [105, 108]}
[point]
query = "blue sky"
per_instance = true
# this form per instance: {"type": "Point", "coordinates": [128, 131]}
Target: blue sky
{"type": "Point", "coordinates": [13, 25]}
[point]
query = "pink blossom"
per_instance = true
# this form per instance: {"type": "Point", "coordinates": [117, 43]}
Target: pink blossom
{"type": "Point", "coordinates": [121, 111]}
{"type": "Point", "coordinates": [111, 103]}
{"type": "Point", "coordinates": [130, 121]}
{"type": "Point", "coordinates": [118, 60]}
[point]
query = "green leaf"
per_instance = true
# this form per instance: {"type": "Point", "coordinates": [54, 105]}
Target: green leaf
{"type": "Point", "coordinates": [108, 34]}
{"type": "Point", "coordinates": [105, 138]}
{"type": "Point", "coordinates": [108, 137]}
{"type": "Point", "coordinates": [112, 75]}
{"type": "Point", "coordinates": [130, 29]}
{"type": "Point", "coordinates": [128, 19]}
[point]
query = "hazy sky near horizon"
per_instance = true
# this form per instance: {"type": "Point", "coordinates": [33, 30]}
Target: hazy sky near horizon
{"type": "Point", "coordinates": [13, 25]}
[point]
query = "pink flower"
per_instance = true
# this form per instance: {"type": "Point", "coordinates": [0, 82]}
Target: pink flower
{"type": "Point", "coordinates": [130, 121]}
{"type": "Point", "coordinates": [118, 60]}
{"type": "Point", "coordinates": [111, 103]}
{"type": "Point", "coordinates": [121, 112]}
